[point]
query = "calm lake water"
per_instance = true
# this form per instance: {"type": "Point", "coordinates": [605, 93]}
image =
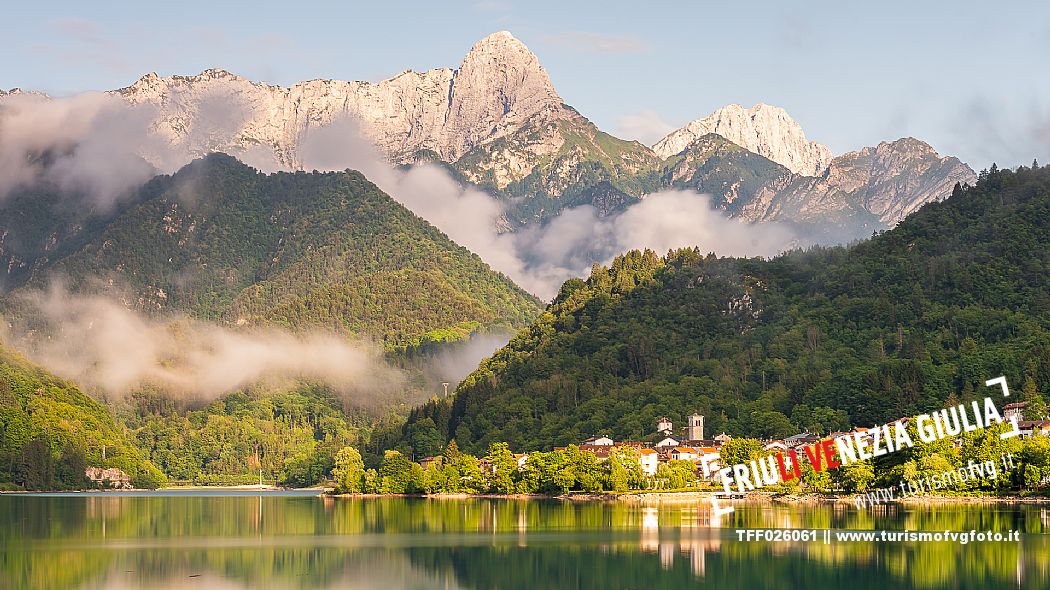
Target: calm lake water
{"type": "Point", "coordinates": [247, 540]}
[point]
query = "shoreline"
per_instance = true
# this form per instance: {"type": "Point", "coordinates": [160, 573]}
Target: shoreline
{"type": "Point", "coordinates": [649, 498]}
{"type": "Point", "coordinates": [320, 491]}
{"type": "Point", "coordinates": [636, 497]}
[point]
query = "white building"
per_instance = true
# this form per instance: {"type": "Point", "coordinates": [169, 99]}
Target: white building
{"type": "Point", "coordinates": [684, 454]}
{"type": "Point", "coordinates": [648, 459]}
{"type": "Point", "coordinates": [666, 443]}
{"type": "Point", "coordinates": [776, 445]}
{"type": "Point", "coordinates": [664, 426]}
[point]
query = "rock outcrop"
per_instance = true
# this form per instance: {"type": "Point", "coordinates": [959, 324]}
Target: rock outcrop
{"type": "Point", "coordinates": [766, 130]}
{"type": "Point", "coordinates": [894, 179]}
{"type": "Point", "coordinates": [879, 185]}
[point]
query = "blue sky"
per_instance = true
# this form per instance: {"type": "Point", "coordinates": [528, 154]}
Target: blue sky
{"type": "Point", "coordinates": [971, 79]}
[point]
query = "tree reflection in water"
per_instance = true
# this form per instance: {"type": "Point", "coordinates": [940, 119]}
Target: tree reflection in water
{"type": "Point", "coordinates": [276, 541]}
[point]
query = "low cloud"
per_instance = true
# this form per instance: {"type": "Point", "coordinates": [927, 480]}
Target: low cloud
{"type": "Point", "coordinates": [91, 144]}
{"type": "Point", "coordinates": [569, 244]}
{"type": "Point", "coordinates": [453, 363]}
{"type": "Point", "coordinates": [102, 345]}
{"type": "Point", "coordinates": [646, 126]}
{"type": "Point", "coordinates": [104, 148]}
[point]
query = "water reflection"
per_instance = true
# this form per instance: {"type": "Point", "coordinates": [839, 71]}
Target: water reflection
{"type": "Point", "coordinates": [120, 541]}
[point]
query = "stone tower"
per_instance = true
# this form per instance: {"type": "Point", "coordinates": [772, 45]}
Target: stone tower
{"type": "Point", "coordinates": [695, 430]}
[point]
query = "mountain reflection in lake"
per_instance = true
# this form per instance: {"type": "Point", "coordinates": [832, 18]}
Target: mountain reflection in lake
{"type": "Point", "coordinates": [196, 540]}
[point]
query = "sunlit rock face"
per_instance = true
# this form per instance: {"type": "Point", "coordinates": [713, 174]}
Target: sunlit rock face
{"type": "Point", "coordinates": [499, 85]}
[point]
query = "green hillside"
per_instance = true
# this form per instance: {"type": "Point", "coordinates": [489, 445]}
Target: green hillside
{"type": "Point", "coordinates": [714, 165]}
{"type": "Point", "coordinates": [42, 223]}
{"type": "Point", "coordinates": [815, 340]}
{"type": "Point", "coordinates": [589, 167]}
{"type": "Point", "coordinates": [222, 241]}
{"type": "Point", "coordinates": [50, 432]}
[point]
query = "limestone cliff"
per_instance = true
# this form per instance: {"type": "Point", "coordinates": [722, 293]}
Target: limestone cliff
{"type": "Point", "coordinates": [766, 130]}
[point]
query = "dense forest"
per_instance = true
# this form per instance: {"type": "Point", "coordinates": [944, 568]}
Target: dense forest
{"type": "Point", "coordinates": [286, 437]}
{"type": "Point", "coordinates": [815, 340]}
{"type": "Point", "coordinates": [221, 241]}
{"type": "Point", "coordinates": [50, 433]}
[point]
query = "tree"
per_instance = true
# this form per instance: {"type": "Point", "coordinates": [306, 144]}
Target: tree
{"type": "Point", "coordinates": [370, 482]}
{"type": "Point", "coordinates": [740, 450]}
{"type": "Point", "coordinates": [623, 470]}
{"type": "Point", "coordinates": [35, 469]}
{"type": "Point", "coordinates": [69, 470]}
{"type": "Point", "coordinates": [468, 469]}
{"type": "Point", "coordinates": [819, 419]}
{"type": "Point", "coordinates": [819, 481]}
{"type": "Point", "coordinates": [550, 473]}
{"type": "Point", "coordinates": [1036, 408]}
{"type": "Point", "coordinates": [501, 467]}
{"type": "Point", "coordinates": [451, 452]}
{"type": "Point", "coordinates": [1033, 461]}
{"type": "Point", "coordinates": [771, 425]}
{"type": "Point", "coordinates": [307, 468]}
{"type": "Point", "coordinates": [148, 477]}
{"type": "Point", "coordinates": [397, 475]}
{"type": "Point", "coordinates": [424, 438]}
{"type": "Point", "coordinates": [436, 478]}
{"type": "Point", "coordinates": [986, 445]}
{"type": "Point", "coordinates": [676, 474]}
{"type": "Point", "coordinates": [1036, 405]}
{"type": "Point", "coordinates": [585, 468]}
{"type": "Point", "coordinates": [854, 477]}
{"type": "Point", "coordinates": [349, 471]}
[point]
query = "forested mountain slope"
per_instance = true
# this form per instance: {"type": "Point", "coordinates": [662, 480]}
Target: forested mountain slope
{"type": "Point", "coordinates": [50, 432]}
{"type": "Point", "coordinates": [818, 340]}
{"type": "Point", "coordinates": [221, 241]}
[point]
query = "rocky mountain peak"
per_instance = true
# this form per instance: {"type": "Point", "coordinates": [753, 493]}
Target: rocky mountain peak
{"type": "Point", "coordinates": [499, 84]}
{"type": "Point", "coordinates": [217, 73]}
{"type": "Point", "coordinates": [764, 129]}
{"type": "Point", "coordinates": [905, 144]}
{"type": "Point", "coordinates": [500, 46]}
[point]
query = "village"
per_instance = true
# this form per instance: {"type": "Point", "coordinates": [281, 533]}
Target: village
{"type": "Point", "coordinates": [692, 446]}
{"type": "Point", "coordinates": [688, 445]}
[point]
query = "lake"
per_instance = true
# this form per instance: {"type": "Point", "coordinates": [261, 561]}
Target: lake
{"type": "Point", "coordinates": [298, 540]}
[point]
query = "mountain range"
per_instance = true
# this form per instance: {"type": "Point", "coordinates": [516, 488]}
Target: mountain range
{"type": "Point", "coordinates": [498, 122]}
